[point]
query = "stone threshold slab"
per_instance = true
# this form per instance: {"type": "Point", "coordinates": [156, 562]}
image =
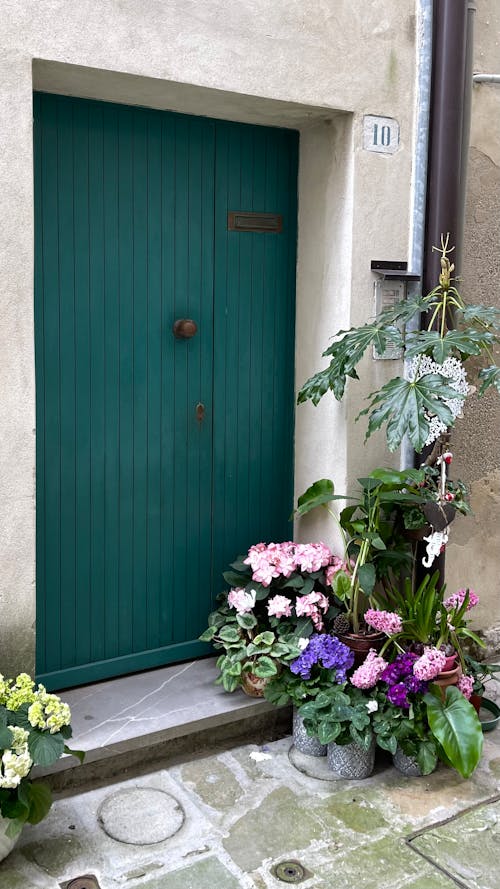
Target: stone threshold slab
{"type": "Point", "coordinates": [173, 711]}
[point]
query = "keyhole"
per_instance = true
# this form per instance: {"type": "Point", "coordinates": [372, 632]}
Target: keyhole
{"type": "Point", "coordinates": [200, 412]}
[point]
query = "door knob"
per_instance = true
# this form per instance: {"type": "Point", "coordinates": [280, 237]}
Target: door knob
{"type": "Point", "coordinates": [184, 328]}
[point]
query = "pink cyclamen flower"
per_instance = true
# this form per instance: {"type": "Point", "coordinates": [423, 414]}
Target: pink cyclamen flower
{"type": "Point", "coordinates": [241, 601]}
{"type": "Point", "coordinates": [465, 684]}
{"type": "Point", "coordinates": [312, 605]}
{"type": "Point", "coordinates": [429, 664]}
{"type": "Point", "coordinates": [279, 606]}
{"type": "Point", "coordinates": [384, 621]}
{"type": "Point", "coordinates": [370, 671]}
{"type": "Point", "coordinates": [457, 599]}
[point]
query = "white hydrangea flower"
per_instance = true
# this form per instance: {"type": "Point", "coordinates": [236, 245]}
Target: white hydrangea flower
{"type": "Point", "coordinates": [456, 375]}
{"type": "Point", "coordinates": [48, 712]}
{"type": "Point", "coordinates": [16, 762]}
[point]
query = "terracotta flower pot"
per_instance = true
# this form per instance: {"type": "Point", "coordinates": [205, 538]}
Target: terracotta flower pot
{"type": "Point", "coordinates": [446, 678]}
{"type": "Point", "coordinates": [451, 662]}
{"type": "Point", "coordinates": [360, 644]}
{"type": "Point", "coordinates": [476, 701]}
{"type": "Point", "coordinates": [253, 685]}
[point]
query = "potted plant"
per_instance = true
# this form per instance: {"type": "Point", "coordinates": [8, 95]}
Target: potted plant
{"type": "Point", "coordinates": [374, 547]}
{"type": "Point", "coordinates": [481, 674]}
{"type": "Point", "coordinates": [34, 728]}
{"type": "Point", "coordinates": [322, 663]}
{"type": "Point", "coordinates": [279, 595]}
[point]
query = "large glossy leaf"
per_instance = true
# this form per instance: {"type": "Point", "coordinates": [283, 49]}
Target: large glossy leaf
{"type": "Point", "coordinates": [400, 404]}
{"type": "Point", "coordinates": [489, 315]}
{"type": "Point", "coordinates": [40, 801]}
{"type": "Point", "coordinates": [367, 577]}
{"type": "Point", "coordinates": [455, 725]}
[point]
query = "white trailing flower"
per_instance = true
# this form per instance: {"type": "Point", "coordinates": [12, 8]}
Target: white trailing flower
{"type": "Point", "coordinates": [455, 374]}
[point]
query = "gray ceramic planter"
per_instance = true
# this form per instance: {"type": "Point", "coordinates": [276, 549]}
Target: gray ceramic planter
{"type": "Point", "coordinates": [351, 760]}
{"type": "Point", "coordinates": [302, 741]}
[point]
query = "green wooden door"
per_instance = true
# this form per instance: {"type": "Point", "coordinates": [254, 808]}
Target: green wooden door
{"type": "Point", "coordinates": [158, 458]}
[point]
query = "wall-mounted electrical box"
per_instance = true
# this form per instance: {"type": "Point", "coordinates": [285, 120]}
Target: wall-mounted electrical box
{"type": "Point", "coordinates": [390, 288]}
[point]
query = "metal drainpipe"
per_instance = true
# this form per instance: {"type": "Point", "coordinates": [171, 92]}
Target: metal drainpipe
{"type": "Point", "coordinates": [453, 22]}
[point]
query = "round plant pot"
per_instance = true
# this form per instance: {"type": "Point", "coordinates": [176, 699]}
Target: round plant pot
{"type": "Point", "coordinates": [304, 742]}
{"type": "Point", "coordinates": [446, 678]}
{"type": "Point", "coordinates": [6, 843]}
{"type": "Point", "coordinates": [253, 685]}
{"type": "Point", "coordinates": [407, 765]}
{"type": "Point", "coordinates": [351, 760]}
{"type": "Point", "coordinates": [489, 715]}
{"type": "Point", "coordinates": [360, 644]}
{"type": "Point", "coordinates": [476, 701]}
{"type": "Point", "coordinates": [450, 662]}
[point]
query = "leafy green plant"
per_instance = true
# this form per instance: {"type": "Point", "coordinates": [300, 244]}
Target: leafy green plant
{"type": "Point", "coordinates": [374, 546]}
{"type": "Point", "coordinates": [481, 673]}
{"type": "Point", "coordinates": [428, 400]}
{"type": "Point", "coordinates": [343, 714]}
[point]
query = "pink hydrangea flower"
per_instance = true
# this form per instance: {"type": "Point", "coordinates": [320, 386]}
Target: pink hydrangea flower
{"type": "Point", "coordinates": [368, 674]}
{"type": "Point", "coordinates": [465, 684]}
{"type": "Point", "coordinates": [241, 601]}
{"type": "Point", "coordinates": [457, 599]}
{"type": "Point", "coordinates": [279, 606]}
{"type": "Point", "coordinates": [384, 621]}
{"type": "Point", "coordinates": [312, 605]}
{"type": "Point", "coordinates": [311, 556]}
{"type": "Point", "coordinates": [429, 664]}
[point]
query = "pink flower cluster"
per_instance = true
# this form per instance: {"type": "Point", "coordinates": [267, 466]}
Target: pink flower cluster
{"type": "Point", "coordinates": [387, 622]}
{"type": "Point", "coordinates": [456, 600]}
{"type": "Point", "coordinates": [314, 605]}
{"type": "Point", "coordinates": [241, 601]}
{"type": "Point", "coordinates": [465, 684]}
{"type": "Point", "coordinates": [429, 664]}
{"type": "Point", "coordinates": [370, 671]}
{"type": "Point", "coordinates": [272, 560]}
{"type": "Point", "coordinates": [279, 606]}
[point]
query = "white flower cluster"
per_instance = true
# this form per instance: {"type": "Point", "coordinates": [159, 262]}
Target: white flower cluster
{"type": "Point", "coordinates": [48, 712]}
{"type": "Point", "coordinates": [453, 370]}
{"type": "Point", "coordinates": [16, 762]}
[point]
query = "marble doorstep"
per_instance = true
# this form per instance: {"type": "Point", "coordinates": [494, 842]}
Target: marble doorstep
{"type": "Point", "coordinates": [176, 708]}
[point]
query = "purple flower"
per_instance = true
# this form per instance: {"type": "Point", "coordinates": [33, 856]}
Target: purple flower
{"type": "Point", "coordinates": [325, 651]}
{"type": "Point", "coordinates": [398, 695]}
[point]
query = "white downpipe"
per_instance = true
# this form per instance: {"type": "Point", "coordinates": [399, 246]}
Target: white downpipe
{"type": "Point", "coordinates": [419, 177]}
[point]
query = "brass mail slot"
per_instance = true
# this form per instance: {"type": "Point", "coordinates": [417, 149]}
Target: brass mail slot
{"type": "Point", "coordinates": [239, 221]}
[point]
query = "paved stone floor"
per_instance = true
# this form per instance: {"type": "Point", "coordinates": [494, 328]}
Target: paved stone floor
{"type": "Point", "coordinates": [224, 821]}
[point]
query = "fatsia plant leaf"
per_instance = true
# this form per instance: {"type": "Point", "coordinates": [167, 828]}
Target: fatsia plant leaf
{"type": "Point", "coordinates": [404, 310]}
{"type": "Point", "coordinates": [401, 404]}
{"type": "Point", "coordinates": [466, 342]}
{"type": "Point", "coordinates": [488, 315]}
{"type": "Point", "coordinates": [489, 376]}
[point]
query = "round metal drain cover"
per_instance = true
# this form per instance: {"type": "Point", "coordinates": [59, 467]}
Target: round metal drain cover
{"type": "Point", "coordinates": [86, 882]}
{"type": "Point", "coordinates": [290, 872]}
{"type": "Point", "coordinates": [141, 816]}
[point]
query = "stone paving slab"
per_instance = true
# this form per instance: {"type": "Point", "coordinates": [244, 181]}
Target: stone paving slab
{"type": "Point", "coordinates": [248, 809]}
{"type": "Point", "coordinates": [467, 847]}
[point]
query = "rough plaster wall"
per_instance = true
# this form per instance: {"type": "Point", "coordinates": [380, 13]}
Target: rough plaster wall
{"type": "Point", "coordinates": [473, 557]}
{"type": "Point", "coordinates": [288, 62]}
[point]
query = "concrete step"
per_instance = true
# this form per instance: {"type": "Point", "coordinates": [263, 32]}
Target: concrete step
{"type": "Point", "coordinates": [138, 723]}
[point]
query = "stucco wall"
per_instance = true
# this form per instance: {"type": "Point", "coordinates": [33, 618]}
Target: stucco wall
{"type": "Point", "coordinates": [474, 552]}
{"type": "Point", "coordinates": [289, 62]}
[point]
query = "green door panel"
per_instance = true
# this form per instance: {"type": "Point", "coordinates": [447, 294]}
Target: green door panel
{"type": "Point", "coordinates": [158, 459]}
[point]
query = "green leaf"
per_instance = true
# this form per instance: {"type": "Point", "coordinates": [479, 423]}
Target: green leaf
{"type": "Point", "coordinates": [40, 801]}
{"type": "Point", "coordinates": [467, 342]}
{"type": "Point", "coordinates": [387, 742]}
{"type": "Point", "coordinates": [341, 586]}
{"type": "Point", "coordinates": [318, 494]}
{"type": "Point", "coordinates": [427, 756]}
{"type": "Point", "coordinates": [44, 748]}
{"type": "Point", "coordinates": [400, 404]}
{"type": "Point", "coordinates": [367, 577]}
{"type": "Point", "coordinates": [265, 638]}
{"type": "Point", "coordinates": [80, 754]}
{"type": "Point", "coordinates": [234, 579]}
{"type": "Point", "coordinates": [456, 727]}
{"type": "Point", "coordinates": [229, 683]}
{"type": "Point", "coordinates": [208, 634]}
{"type": "Point", "coordinates": [489, 315]}
{"type": "Point", "coordinates": [265, 668]}
{"type": "Point", "coordinates": [6, 737]}
{"type": "Point", "coordinates": [261, 591]}
{"type": "Point", "coordinates": [328, 732]}
{"type": "Point", "coordinates": [239, 565]}
{"type": "Point", "coordinates": [490, 376]}
{"type": "Point", "coordinates": [247, 621]}
{"type": "Point", "coordinates": [229, 634]}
